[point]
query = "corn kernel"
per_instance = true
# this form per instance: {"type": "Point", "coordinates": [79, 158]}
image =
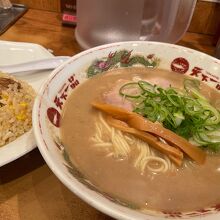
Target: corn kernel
{"type": "Point", "coordinates": [21, 117]}
{"type": "Point", "coordinates": [11, 106]}
{"type": "Point", "coordinates": [23, 104]}
{"type": "Point", "coordinates": [5, 97]}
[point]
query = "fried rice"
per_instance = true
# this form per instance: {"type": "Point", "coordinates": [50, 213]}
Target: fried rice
{"type": "Point", "coordinates": [16, 102]}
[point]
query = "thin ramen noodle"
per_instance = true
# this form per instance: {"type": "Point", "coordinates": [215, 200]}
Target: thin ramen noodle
{"type": "Point", "coordinates": [119, 145]}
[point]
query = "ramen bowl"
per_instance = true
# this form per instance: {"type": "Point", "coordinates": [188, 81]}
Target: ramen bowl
{"type": "Point", "coordinates": [66, 78]}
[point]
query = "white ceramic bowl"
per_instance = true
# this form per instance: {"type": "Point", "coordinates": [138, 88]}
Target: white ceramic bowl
{"type": "Point", "coordinates": [64, 79]}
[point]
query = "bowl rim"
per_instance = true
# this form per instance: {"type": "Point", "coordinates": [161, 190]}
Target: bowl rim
{"type": "Point", "coordinates": [96, 203]}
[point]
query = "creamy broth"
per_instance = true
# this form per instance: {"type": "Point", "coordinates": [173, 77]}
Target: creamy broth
{"type": "Point", "coordinates": [185, 189]}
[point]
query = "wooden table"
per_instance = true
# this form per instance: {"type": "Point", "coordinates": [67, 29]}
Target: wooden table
{"type": "Point", "coordinates": [28, 189]}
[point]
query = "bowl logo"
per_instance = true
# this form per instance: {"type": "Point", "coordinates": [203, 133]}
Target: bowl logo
{"type": "Point", "coordinates": [180, 65]}
{"type": "Point", "coordinates": [54, 116]}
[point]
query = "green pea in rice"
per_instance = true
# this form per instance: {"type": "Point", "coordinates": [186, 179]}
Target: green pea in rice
{"type": "Point", "coordinates": [16, 102]}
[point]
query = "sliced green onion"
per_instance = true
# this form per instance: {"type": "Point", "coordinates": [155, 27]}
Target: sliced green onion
{"type": "Point", "coordinates": [190, 84]}
{"type": "Point", "coordinates": [186, 112]}
{"type": "Point", "coordinates": [179, 117]}
{"type": "Point", "coordinates": [147, 87]}
{"type": "Point", "coordinates": [131, 90]}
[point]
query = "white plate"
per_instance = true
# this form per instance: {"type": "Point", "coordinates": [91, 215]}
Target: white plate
{"type": "Point", "coordinates": [13, 53]}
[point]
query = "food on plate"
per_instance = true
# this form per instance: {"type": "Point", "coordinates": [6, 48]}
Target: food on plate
{"type": "Point", "coordinates": [148, 137]}
{"type": "Point", "coordinates": [16, 101]}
